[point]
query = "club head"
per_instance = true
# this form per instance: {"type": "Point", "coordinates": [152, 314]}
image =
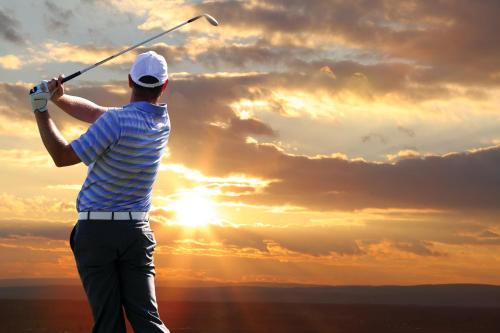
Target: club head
{"type": "Point", "coordinates": [211, 20]}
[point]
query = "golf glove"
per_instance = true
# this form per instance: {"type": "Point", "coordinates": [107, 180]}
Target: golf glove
{"type": "Point", "coordinates": [39, 96]}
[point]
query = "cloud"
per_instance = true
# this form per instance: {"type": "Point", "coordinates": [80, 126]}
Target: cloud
{"type": "Point", "coordinates": [241, 56]}
{"type": "Point", "coordinates": [456, 38]}
{"type": "Point", "coordinates": [64, 52]}
{"type": "Point", "coordinates": [429, 44]}
{"type": "Point", "coordinates": [30, 207]}
{"type": "Point", "coordinates": [319, 241]}
{"type": "Point", "coordinates": [420, 248]}
{"type": "Point", "coordinates": [322, 182]}
{"type": "Point", "coordinates": [25, 158]}
{"type": "Point", "coordinates": [16, 105]}
{"type": "Point", "coordinates": [85, 54]}
{"type": "Point", "coordinates": [328, 183]}
{"type": "Point", "coordinates": [406, 153]}
{"type": "Point", "coordinates": [57, 18]}
{"type": "Point", "coordinates": [158, 14]}
{"type": "Point", "coordinates": [489, 234]}
{"type": "Point", "coordinates": [44, 229]}
{"type": "Point", "coordinates": [15, 102]}
{"type": "Point", "coordinates": [361, 233]}
{"type": "Point", "coordinates": [9, 28]}
{"type": "Point", "coordinates": [407, 131]}
{"type": "Point", "coordinates": [374, 136]}
{"type": "Point", "coordinates": [452, 181]}
{"type": "Point", "coordinates": [10, 61]}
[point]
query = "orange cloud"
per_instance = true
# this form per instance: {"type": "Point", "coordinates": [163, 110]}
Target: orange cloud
{"type": "Point", "coordinates": [10, 61]}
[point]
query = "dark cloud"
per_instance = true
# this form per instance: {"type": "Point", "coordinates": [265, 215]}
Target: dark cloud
{"type": "Point", "coordinates": [421, 248]}
{"type": "Point", "coordinates": [304, 69]}
{"type": "Point", "coordinates": [489, 234]}
{"type": "Point", "coordinates": [9, 28]}
{"type": "Point", "coordinates": [407, 131]}
{"type": "Point", "coordinates": [250, 126]}
{"type": "Point", "coordinates": [465, 181]}
{"type": "Point", "coordinates": [241, 56]}
{"type": "Point", "coordinates": [173, 54]}
{"type": "Point", "coordinates": [457, 39]}
{"type": "Point", "coordinates": [44, 229]}
{"type": "Point", "coordinates": [57, 18]}
{"type": "Point", "coordinates": [15, 101]}
{"type": "Point", "coordinates": [374, 136]}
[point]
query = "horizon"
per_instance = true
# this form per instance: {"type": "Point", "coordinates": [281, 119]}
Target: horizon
{"type": "Point", "coordinates": [444, 295]}
{"type": "Point", "coordinates": [42, 282]}
{"type": "Point", "coordinates": [361, 147]}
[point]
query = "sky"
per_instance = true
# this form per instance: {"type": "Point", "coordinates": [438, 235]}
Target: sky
{"type": "Point", "coordinates": [314, 142]}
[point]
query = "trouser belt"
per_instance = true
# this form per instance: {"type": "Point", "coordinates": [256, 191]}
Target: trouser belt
{"type": "Point", "coordinates": [142, 216]}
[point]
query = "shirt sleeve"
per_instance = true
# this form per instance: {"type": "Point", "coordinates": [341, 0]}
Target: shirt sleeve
{"type": "Point", "coordinates": [104, 132]}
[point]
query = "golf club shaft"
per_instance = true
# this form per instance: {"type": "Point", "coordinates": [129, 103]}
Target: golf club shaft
{"type": "Point", "coordinates": [209, 18]}
{"type": "Point", "coordinates": [72, 76]}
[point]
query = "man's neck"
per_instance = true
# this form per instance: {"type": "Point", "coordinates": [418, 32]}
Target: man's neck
{"type": "Point", "coordinates": [134, 98]}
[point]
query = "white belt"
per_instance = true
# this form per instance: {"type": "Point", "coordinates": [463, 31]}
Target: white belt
{"type": "Point", "coordinates": [142, 216]}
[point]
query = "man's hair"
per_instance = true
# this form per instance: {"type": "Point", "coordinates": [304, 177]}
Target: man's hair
{"type": "Point", "coordinates": [147, 93]}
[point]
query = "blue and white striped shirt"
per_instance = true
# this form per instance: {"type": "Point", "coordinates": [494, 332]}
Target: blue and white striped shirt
{"type": "Point", "coordinates": [123, 149]}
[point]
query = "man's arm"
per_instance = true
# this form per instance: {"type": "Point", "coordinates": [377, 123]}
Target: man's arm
{"type": "Point", "coordinates": [80, 108]}
{"type": "Point", "coordinates": [88, 147]}
{"type": "Point", "coordinates": [61, 151]}
{"type": "Point", "coordinates": [77, 107]}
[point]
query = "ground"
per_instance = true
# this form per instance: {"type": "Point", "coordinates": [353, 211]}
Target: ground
{"type": "Point", "coordinates": [63, 316]}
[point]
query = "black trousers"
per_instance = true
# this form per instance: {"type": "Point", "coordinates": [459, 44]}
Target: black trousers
{"type": "Point", "coordinates": [115, 263]}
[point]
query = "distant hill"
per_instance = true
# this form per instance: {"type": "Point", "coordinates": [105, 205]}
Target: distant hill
{"type": "Point", "coordinates": [425, 295]}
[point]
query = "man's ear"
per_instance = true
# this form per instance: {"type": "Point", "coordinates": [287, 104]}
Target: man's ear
{"type": "Point", "coordinates": [164, 86]}
{"type": "Point", "coordinates": [130, 82]}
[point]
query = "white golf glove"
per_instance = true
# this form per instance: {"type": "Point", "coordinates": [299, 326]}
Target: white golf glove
{"type": "Point", "coordinates": [39, 97]}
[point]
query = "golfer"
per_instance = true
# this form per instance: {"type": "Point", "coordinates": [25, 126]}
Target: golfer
{"type": "Point", "coordinates": [112, 241]}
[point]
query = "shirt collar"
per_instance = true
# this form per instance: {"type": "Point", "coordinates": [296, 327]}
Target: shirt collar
{"type": "Point", "coordinates": [148, 107]}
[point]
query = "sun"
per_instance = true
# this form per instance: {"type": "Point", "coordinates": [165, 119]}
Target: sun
{"type": "Point", "coordinates": [194, 209]}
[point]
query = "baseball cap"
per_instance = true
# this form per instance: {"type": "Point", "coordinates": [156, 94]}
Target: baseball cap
{"type": "Point", "coordinates": [149, 64]}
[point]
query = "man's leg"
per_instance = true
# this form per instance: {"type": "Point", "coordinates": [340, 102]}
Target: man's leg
{"type": "Point", "coordinates": [137, 273]}
{"type": "Point", "coordinates": [97, 266]}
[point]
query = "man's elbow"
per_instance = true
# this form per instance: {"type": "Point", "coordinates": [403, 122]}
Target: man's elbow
{"type": "Point", "coordinates": [58, 161]}
{"type": "Point", "coordinates": [65, 157]}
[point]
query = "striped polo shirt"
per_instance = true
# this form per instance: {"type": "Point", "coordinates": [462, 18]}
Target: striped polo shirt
{"type": "Point", "coordinates": [123, 149]}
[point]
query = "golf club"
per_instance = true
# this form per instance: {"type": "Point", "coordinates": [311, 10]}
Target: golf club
{"type": "Point", "coordinates": [209, 18]}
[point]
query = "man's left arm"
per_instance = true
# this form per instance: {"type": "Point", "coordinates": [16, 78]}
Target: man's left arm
{"type": "Point", "coordinates": [59, 149]}
{"type": "Point", "coordinates": [61, 152]}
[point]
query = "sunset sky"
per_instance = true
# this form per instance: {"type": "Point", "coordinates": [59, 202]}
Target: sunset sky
{"type": "Point", "coordinates": [318, 142]}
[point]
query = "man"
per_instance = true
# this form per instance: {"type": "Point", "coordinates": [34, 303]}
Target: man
{"type": "Point", "coordinates": [112, 241]}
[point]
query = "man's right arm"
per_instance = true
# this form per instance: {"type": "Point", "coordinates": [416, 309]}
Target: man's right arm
{"type": "Point", "coordinates": [78, 107]}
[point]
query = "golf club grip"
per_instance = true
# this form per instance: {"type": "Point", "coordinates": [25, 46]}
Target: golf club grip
{"type": "Point", "coordinates": [72, 76]}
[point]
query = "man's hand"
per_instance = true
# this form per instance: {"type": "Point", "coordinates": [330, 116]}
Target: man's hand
{"type": "Point", "coordinates": [56, 88]}
{"type": "Point", "coordinates": [39, 97]}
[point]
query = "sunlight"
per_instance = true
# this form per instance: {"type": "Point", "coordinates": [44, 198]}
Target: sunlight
{"type": "Point", "coordinates": [194, 209]}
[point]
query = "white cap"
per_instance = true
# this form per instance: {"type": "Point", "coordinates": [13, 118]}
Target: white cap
{"type": "Point", "coordinates": [149, 64]}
